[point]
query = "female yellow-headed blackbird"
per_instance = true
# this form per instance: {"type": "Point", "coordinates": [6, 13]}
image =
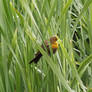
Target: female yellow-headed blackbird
{"type": "Point", "coordinates": [54, 46]}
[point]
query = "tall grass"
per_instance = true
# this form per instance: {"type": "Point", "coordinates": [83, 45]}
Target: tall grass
{"type": "Point", "coordinates": [25, 24]}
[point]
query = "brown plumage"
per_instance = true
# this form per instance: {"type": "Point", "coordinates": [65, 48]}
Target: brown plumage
{"type": "Point", "coordinates": [54, 46]}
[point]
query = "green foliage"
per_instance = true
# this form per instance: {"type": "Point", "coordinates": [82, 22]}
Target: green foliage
{"type": "Point", "coordinates": [25, 24]}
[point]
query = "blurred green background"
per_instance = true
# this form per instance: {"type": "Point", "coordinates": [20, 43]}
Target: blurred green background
{"type": "Point", "coordinates": [25, 24]}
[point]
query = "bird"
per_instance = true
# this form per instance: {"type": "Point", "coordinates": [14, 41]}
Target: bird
{"type": "Point", "coordinates": [46, 45]}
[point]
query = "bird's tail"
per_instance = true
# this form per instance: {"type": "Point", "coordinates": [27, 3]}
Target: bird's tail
{"type": "Point", "coordinates": [36, 59]}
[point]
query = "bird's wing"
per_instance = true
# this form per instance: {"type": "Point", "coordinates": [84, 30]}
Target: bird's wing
{"type": "Point", "coordinates": [47, 46]}
{"type": "Point", "coordinates": [37, 53]}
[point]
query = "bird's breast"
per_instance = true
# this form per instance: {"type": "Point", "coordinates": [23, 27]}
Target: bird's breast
{"type": "Point", "coordinates": [54, 45]}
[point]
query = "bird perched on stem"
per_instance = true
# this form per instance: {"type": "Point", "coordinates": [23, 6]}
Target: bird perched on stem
{"type": "Point", "coordinates": [54, 46]}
